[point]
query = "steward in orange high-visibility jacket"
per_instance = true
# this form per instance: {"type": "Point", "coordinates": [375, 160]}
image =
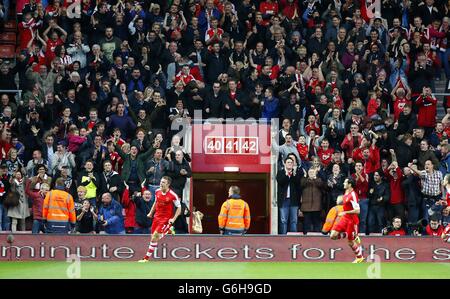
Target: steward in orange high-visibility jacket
{"type": "Point", "coordinates": [234, 217]}
{"type": "Point", "coordinates": [58, 212]}
{"type": "Point", "coordinates": [332, 216]}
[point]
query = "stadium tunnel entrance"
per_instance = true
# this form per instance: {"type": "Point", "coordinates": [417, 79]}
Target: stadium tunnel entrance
{"type": "Point", "coordinates": [238, 154]}
{"type": "Point", "coordinates": [210, 190]}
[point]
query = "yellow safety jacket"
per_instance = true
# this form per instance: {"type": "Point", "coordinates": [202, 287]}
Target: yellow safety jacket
{"type": "Point", "coordinates": [234, 215]}
{"type": "Point", "coordinates": [332, 217]}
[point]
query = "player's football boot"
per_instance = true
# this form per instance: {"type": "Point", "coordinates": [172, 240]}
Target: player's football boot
{"type": "Point", "coordinates": [358, 260]}
{"type": "Point", "coordinates": [358, 240]}
{"type": "Point", "coordinates": [144, 260]}
{"type": "Point", "coordinates": [172, 230]}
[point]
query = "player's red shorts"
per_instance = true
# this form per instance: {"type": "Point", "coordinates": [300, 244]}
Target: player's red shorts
{"type": "Point", "coordinates": [348, 226]}
{"type": "Point", "coordinates": [158, 224]}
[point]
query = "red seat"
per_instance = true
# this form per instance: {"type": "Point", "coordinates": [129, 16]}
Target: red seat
{"type": "Point", "coordinates": [8, 38]}
{"type": "Point", "coordinates": [10, 26]}
{"type": "Point", "coordinates": [7, 51]}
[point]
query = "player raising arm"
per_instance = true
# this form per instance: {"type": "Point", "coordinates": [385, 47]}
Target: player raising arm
{"type": "Point", "coordinates": [162, 213]}
{"type": "Point", "coordinates": [347, 227]}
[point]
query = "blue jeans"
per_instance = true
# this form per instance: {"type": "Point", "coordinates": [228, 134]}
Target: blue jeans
{"type": "Point", "coordinates": [427, 203]}
{"type": "Point", "coordinates": [38, 226]}
{"type": "Point", "coordinates": [444, 59]}
{"type": "Point", "coordinates": [311, 222]}
{"type": "Point", "coordinates": [364, 211]}
{"type": "Point", "coordinates": [288, 215]}
{"type": "Point", "coordinates": [376, 219]}
{"type": "Point", "coordinates": [5, 221]}
{"type": "Point", "coordinates": [413, 214]}
{"type": "Point", "coordinates": [6, 8]}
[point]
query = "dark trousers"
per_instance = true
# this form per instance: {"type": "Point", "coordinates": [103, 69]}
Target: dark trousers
{"type": "Point", "coordinates": [377, 219]}
{"type": "Point", "coordinates": [427, 203]}
{"type": "Point", "coordinates": [311, 222]}
{"type": "Point", "coordinates": [397, 210]}
{"type": "Point", "coordinates": [413, 214]}
{"type": "Point", "coordinates": [38, 226]}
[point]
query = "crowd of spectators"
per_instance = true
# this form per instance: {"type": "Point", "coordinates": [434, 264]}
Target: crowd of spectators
{"type": "Point", "coordinates": [107, 86]}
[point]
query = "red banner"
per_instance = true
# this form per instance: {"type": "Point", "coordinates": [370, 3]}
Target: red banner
{"type": "Point", "coordinates": [249, 248]}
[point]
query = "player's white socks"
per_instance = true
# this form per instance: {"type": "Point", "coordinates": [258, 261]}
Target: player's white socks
{"type": "Point", "coordinates": [357, 249]}
{"type": "Point", "coordinates": [151, 249]}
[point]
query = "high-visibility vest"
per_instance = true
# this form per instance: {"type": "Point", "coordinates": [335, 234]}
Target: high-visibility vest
{"type": "Point", "coordinates": [234, 215]}
{"type": "Point", "coordinates": [332, 217]}
{"type": "Point", "coordinates": [59, 207]}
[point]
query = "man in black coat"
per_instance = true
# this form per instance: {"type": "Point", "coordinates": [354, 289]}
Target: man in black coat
{"type": "Point", "coordinates": [420, 75]}
{"type": "Point", "coordinates": [110, 181]}
{"type": "Point", "coordinates": [215, 99]}
{"type": "Point", "coordinates": [216, 64]}
{"type": "Point", "coordinates": [317, 43]}
{"type": "Point", "coordinates": [413, 194]}
{"type": "Point", "coordinates": [144, 203]}
{"type": "Point", "coordinates": [234, 105]}
{"type": "Point", "coordinates": [179, 171]}
{"type": "Point", "coordinates": [379, 194]}
{"type": "Point", "coordinates": [429, 12]}
{"type": "Point", "coordinates": [289, 193]}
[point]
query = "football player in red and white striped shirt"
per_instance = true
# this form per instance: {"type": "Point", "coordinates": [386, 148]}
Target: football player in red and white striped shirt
{"type": "Point", "coordinates": [347, 227]}
{"type": "Point", "coordinates": [162, 214]}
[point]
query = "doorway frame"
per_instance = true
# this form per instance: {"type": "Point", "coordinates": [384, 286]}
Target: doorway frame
{"type": "Point", "coordinates": [236, 177]}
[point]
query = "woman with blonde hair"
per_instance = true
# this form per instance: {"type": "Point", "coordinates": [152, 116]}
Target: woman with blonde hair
{"type": "Point", "coordinates": [354, 104]}
{"type": "Point", "coordinates": [13, 162]}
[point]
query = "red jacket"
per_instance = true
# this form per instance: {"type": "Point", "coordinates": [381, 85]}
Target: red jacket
{"type": "Point", "coordinates": [264, 7]}
{"type": "Point", "coordinates": [347, 145]}
{"type": "Point", "coordinates": [129, 208]}
{"type": "Point", "coordinates": [372, 163]}
{"type": "Point", "coordinates": [397, 194]}
{"type": "Point", "coordinates": [314, 126]}
{"type": "Point", "coordinates": [289, 10]}
{"type": "Point", "coordinates": [399, 104]}
{"type": "Point", "coordinates": [37, 199]}
{"type": "Point", "coordinates": [372, 107]}
{"type": "Point", "coordinates": [427, 111]}
{"type": "Point", "coordinates": [303, 151]}
{"type": "Point", "coordinates": [437, 233]}
{"type": "Point", "coordinates": [325, 155]}
{"type": "Point", "coordinates": [5, 146]}
{"type": "Point", "coordinates": [361, 187]}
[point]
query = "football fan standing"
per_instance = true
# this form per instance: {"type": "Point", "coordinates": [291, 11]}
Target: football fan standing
{"type": "Point", "coordinates": [162, 211]}
{"type": "Point", "coordinates": [347, 227]}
